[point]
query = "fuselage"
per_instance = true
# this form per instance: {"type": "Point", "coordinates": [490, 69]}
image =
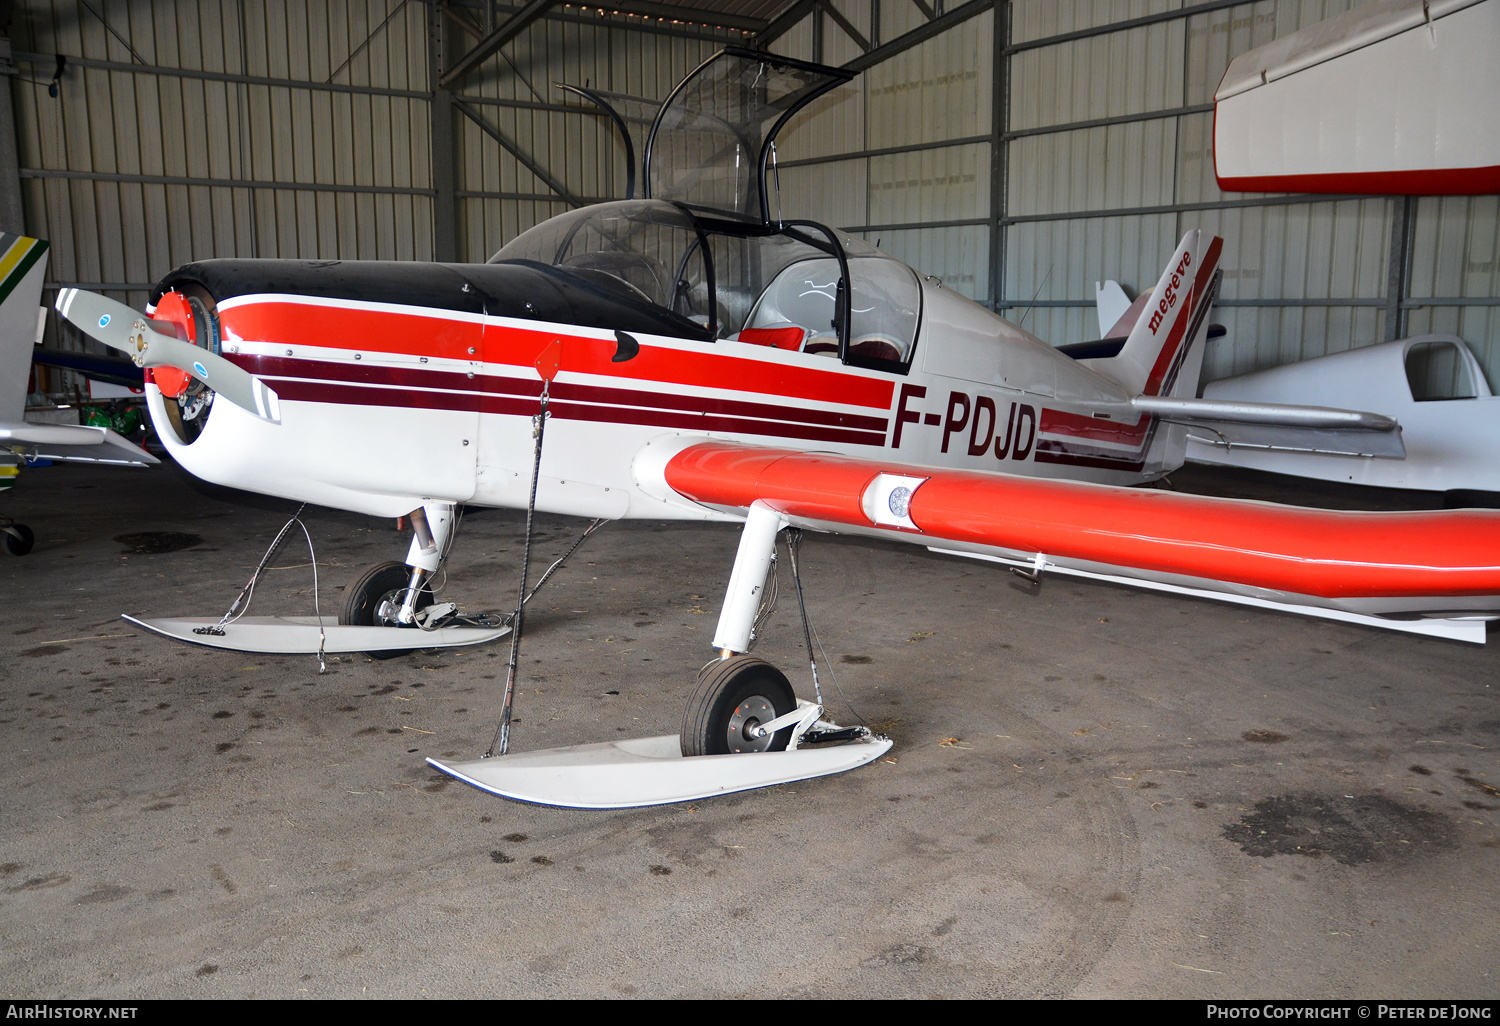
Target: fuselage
{"type": "Point", "coordinates": [387, 402]}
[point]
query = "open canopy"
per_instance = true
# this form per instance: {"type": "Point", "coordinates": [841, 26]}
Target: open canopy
{"type": "Point", "coordinates": [711, 141]}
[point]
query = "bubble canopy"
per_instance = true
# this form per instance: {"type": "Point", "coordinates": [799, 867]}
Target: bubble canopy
{"type": "Point", "coordinates": [711, 278]}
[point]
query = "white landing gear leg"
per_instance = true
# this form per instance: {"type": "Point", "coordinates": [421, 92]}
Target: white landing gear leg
{"type": "Point", "coordinates": [742, 730]}
{"type": "Point", "coordinates": [747, 582]}
{"type": "Point", "coordinates": [432, 527]}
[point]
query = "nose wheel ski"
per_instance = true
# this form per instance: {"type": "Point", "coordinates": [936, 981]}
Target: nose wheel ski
{"type": "Point", "coordinates": [388, 610]}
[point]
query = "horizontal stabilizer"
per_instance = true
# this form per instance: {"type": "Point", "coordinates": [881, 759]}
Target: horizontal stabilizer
{"type": "Point", "coordinates": [1231, 423]}
{"type": "Point", "coordinates": [1111, 304]}
{"type": "Point", "coordinates": [1233, 411]}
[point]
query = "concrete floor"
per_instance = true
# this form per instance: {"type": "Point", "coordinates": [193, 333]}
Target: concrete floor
{"type": "Point", "coordinates": [1094, 792]}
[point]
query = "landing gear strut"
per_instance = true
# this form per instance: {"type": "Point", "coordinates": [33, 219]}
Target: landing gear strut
{"type": "Point", "coordinates": [397, 594]}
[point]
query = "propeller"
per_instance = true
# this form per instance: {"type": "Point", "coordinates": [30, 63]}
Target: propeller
{"type": "Point", "coordinates": [145, 342]}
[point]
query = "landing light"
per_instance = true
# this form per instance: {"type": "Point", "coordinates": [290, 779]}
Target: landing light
{"type": "Point", "coordinates": [887, 500]}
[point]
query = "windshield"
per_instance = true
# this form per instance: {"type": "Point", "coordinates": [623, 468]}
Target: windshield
{"type": "Point", "coordinates": [642, 249]}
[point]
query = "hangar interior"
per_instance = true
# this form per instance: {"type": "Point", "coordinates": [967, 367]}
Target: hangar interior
{"type": "Point", "coordinates": [1094, 790]}
{"type": "Point", "coordinates": [1021, 151]}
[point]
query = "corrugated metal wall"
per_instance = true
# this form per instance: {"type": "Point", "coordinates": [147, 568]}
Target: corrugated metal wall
{"type": "Point", "coordinates": [130, 173]}
{"type": "Point", "coordinates": [185, 129]}
{"type": "Point", "coordinates": [499, 197]}
{"type": "Point", "coordinates": [922, 118]}
{"type": "Point", "coordinates": [189, 129]}
{"type": "Point", "coordinates": [1082, 200]}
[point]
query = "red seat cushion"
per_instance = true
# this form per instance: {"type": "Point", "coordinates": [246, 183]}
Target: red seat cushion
{"type": "Point", "coordinates": [789, 338]}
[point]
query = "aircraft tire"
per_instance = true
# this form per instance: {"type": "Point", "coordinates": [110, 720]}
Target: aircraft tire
{"type": "Point", "coordinates": [364, 594]}
{"type": "Point", "coordinates": [732, 695]}
{"type": "Point", "coordinates": [22, 545]}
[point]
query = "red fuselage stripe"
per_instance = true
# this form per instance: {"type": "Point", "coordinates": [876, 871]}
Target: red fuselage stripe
{"type": "Point", "coordinates": [1071, 456]}
{"type": "Point", "coordinates": [1077, 425]}
{"type": "Point", "coordinates": [285, 322]}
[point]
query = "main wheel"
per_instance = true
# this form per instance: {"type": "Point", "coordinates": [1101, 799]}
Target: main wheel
{"type": "Point", "coordinates": [19, 543]}
{"type": "Point", "coordinates": [374, 598]}
{"type": "Point", "coordinates": [732, 698]}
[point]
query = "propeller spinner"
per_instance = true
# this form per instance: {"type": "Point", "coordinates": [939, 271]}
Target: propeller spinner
{"type": "Point", "coordinates": [146, 342]}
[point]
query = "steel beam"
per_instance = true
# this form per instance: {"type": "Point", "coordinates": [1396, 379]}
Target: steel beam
{"type": "Point", "coordinates": [514, 150]}
{"type": "Point", "coordinates": [529, 197]}
{"type": "Point", "coordinates": [1071, 215]}
{"type": "Point", "coordinates": [465, 22]}
{"type": "Point", "coordinates": [886, 151]}
{"type": "Point", "coordinates": [999, 149]}
{"type": "Point", "coordinates": [1128, 23]}
{"type": "Point", "coordinates": [486, 47]}
{"type": "Point", "coordinates": [12, 210]}
{"type": "Point", "coordinates": [845, 24]}
{"type": "Point", "coordinates": [1118, 119]}
{"type": "Point", "coordinates": [783, 23]}
{"type": "Point", "coordinates": [1178, 208]}
{"type": "Point", "coordinates": [1005, 137]}
{"type": "Point", "coordinates": [937, 26]}
{"type": "Point", "coordinates": [699, 16]}
{"type": "Point", "coordinates": [368, 40]}
{"type": "Point", "coordinates": [444, 154]}
{"type": "Point", "coordinates": [1403, 210]}
{"type": "Point", "coordinates": [221, 183]}
{"type": "Point", "coordinates": [49, 60]}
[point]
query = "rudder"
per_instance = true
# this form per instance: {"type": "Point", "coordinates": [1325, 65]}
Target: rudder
{"type": "Point", "coordinates": [1169, 328]}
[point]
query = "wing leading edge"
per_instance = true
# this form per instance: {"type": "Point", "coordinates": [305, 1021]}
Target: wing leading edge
{"type": "Point", "coordinates": [1405, 565]}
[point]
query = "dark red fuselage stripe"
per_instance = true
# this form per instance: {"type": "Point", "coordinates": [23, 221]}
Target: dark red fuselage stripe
{"type": "Point", "coordinates": [277, 368]}
{"type": "Point", "coordinates": [1078, 425]}
{"type": "Point", "coordinates": [360, 395]}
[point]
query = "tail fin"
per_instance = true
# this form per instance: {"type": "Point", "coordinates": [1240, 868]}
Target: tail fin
{"type": "Point", "coordinates": [23, 265]}
{"type": "Point", "coordinates": [1172, 322]}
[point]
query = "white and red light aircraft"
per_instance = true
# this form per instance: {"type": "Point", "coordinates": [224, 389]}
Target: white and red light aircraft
{"type": "Point", "coordinates": [702, 360]}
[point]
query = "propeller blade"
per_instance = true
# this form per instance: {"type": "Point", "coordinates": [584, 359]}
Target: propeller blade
{"type": "Point", "coordinates": [144, 341]}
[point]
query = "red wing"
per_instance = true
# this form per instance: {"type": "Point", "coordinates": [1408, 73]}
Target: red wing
{"type": "Point", "coordinates": [1325, 553]}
